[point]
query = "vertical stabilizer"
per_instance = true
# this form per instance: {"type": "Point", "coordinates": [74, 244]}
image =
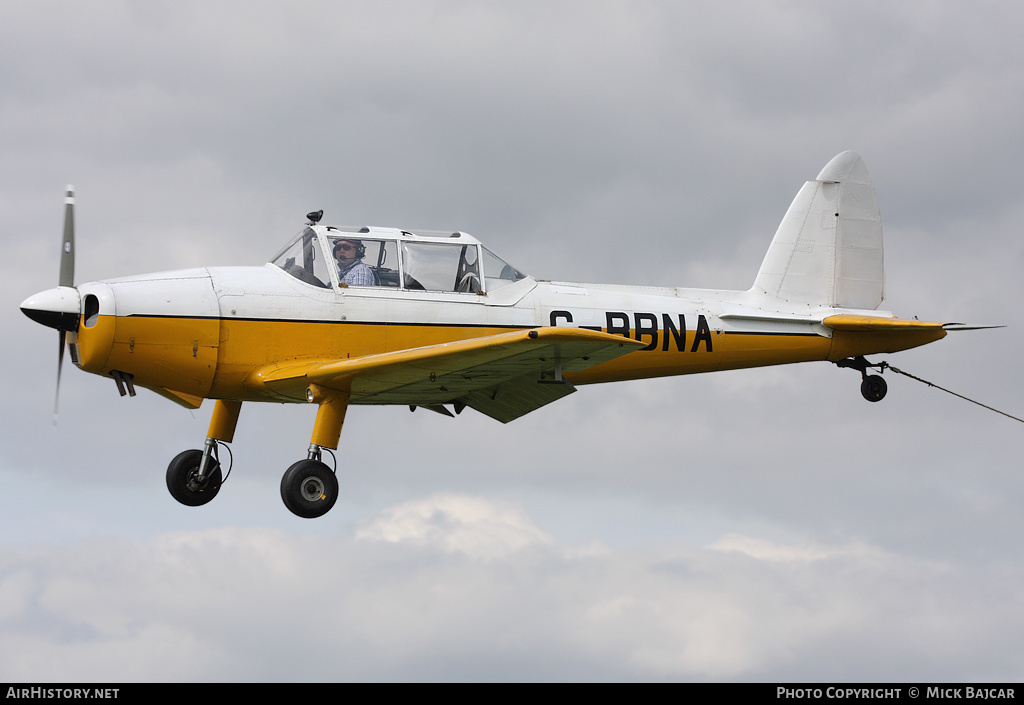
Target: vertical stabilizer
{"type": "Point", "coordinates": [828, 248]}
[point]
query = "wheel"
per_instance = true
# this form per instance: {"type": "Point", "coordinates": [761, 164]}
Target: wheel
{"type": "Point", "coordinates": [181, 482]}
{"type": "Point", "coordinates": [873, 388]}
{"type": "Point", "coordinates": [309, 489]}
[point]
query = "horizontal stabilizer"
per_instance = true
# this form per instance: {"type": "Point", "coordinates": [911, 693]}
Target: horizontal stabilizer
{"type": "Point", "coordinates": [865, 324]}
{"type": "Point", "coordinates": [857, 334]}
{"type": "Point", "coordinates": [879, 324]}
{"type": "Point", "coordinates": [965, 326]}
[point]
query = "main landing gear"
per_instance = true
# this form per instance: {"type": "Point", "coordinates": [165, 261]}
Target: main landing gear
{"type": "Point", "coordinates": [872, 387]}
{"type": "Point", "coordinates": [309, 487]}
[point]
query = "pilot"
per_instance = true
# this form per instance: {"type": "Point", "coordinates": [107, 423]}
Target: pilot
{"type": "Point", "coordinates": [351, 268]}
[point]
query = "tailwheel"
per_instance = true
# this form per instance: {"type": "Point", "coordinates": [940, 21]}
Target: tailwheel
{"type": "Point", "coordinates": [873, 388]}
{"type": "Point", "coordinates": [183, 482]}
{"type": "Point", "coordinates": [309, 489]}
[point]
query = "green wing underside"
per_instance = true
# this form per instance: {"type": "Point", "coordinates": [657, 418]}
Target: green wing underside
{"type": "Point", "coordinates": [503, 376]}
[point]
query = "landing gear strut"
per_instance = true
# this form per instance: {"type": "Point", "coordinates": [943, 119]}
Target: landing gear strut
{"type": "Point", "coordinates": [309, 488]}
{"type": "Point", "coordinates": [872, 387]}
{"type": "Point", "coordinates": [194, 476]}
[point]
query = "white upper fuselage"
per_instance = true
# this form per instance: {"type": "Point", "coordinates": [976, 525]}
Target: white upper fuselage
{"type": "Point", "coordinates": [269, 292]}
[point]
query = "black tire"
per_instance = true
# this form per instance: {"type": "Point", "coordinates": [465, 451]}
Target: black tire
{"type": "Point", "coordinates": [309, 489]}
{"type": "Point", "coordinates": [183, 469]}
{"type": "Point", "coordinates": [873, 388]}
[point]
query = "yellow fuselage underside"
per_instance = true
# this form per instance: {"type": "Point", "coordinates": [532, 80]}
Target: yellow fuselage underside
{"type": "Point", "coordinates": [215, 357]}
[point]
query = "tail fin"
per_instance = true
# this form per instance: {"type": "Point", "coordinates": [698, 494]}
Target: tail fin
{"type": "Point", "coordinates": [828, 248]}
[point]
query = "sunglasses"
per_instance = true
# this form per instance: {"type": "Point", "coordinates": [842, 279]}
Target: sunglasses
{"type": "Point", "coordinates": [344, 248]}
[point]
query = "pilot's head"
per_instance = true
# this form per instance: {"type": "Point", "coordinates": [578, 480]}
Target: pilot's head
{"type": "Point", "coordinates": [348, 251]}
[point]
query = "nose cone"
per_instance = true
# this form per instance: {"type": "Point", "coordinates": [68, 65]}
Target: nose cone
{"type": "Point", "coordinates": [57, 308]}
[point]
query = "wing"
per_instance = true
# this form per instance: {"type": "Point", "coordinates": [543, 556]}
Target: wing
{"type": "Point", "coordinates": [504, 375]}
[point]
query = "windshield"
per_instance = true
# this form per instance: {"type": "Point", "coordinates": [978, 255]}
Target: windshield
{"type": "Point", "coordinates": [498, 272]}
{"type": "Point", "coordinates": [303, 259]}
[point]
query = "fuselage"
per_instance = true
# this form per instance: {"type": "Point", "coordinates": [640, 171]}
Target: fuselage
{"type": "Point", "coordinates": [203, 333]}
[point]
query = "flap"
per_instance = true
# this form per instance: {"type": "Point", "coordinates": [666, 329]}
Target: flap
{"type": "Point", "coordinates": [516, 397]}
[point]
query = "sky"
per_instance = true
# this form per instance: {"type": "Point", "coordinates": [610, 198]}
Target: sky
{"type": "Point", "coordinates": [754, 525]}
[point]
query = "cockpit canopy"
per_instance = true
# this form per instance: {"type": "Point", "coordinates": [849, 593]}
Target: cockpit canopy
{"type": "Point", "coordinates": [396, 259]}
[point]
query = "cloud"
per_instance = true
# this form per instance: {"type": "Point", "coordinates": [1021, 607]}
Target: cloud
{"type": "Point", "coordinates": [455, 587]}
{"type": "Point", "coordinates": [764, 550]}
{"type": "Point", "coordinates": [475, 527]}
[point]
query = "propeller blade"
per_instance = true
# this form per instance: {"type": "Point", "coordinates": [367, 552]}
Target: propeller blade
{"type": "Point", "coordinates": [60, 364]}
{"type": "Point", "coordinates": [67, 253]}
{"type": "Point", "coordinates": [67, 278]}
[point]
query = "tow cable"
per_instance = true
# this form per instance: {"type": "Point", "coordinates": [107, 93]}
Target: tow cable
{"type": "Point", "coordinates": [885, 365]}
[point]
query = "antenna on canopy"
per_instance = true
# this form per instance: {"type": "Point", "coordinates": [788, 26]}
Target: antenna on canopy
{"type": "Point", "coordinates": [315, 217]}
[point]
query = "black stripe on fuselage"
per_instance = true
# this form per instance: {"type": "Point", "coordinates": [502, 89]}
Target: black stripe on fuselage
{"type": "Point", "coordinates": [330, 322]}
